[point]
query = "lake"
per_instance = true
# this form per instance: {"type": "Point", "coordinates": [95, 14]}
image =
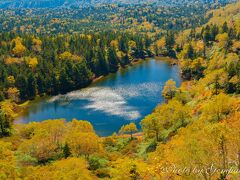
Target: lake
{"type": "Point", "coordinates": [117, 99]}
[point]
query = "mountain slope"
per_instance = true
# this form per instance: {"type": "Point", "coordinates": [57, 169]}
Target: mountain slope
{"type": "Point", "coordinates": [80, 3]}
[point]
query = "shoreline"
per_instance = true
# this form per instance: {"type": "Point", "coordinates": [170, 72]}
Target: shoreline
{"type": "Point", "coordinates": [170, 60]}
{"type": "Point", "coordinates": [95, 80]}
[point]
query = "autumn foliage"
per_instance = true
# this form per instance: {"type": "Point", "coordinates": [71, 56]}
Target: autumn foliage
{"type": "Point", "coordinates": [194, 134]}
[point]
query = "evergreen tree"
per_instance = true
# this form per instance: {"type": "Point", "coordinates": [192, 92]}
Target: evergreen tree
{"type": "Point", "coordinates": [82, 75]}
{"type": "Point", "coordinates": [112, 59]}
{"type": "Point", "coordinates": [65, 82]}
{"type": "Point", "coordinates": [1, 95]}
{"type": "Point", "coordinates": [190, 52]}
{"type": "Point", "coordinates": [125, 60]}
{"type": "Point", "coordinates": [213, 32]}
{"type": "Point", "coordinates": [192, 34]}
{"type": "Point", "coordinates": [32, 86]}
{"type": "Point", "coordinates": [206, 35]}
{"type": "Point", "coordinates": [103, 67]}
{"type": "Point", "coordinates": [170, 40]}
{"type": "Point", "coordinates": [55, 84]}
{"type": "Point", "coordinates": [5, 125]}
{"type": "Point", "coordinates": [41, 84]}
{"type": "Point", "coordinates": [66, 151]}
{"type": "Point", "coordinates": [123, 45]}
{"type": "Point", "coordinates": [22, 85]}
{"type": "Point", "coordinates": [225, 27]}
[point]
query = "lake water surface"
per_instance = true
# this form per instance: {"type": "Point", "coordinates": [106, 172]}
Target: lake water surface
{"type": "Point", "coordinates": [117, 99]}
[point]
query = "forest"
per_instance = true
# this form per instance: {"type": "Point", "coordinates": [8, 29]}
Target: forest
{"type": "Point", "coordinates": [32, 65]}
{"type": "Point", "coordinates": [151, 19]}
{"type": "Point", "coordinates": [194, 134]}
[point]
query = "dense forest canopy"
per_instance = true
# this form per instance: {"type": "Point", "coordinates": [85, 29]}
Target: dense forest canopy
{"type": "Point", "coordinates": [193, 135]}
{"type": "Point", "coordinates": [148, 18]}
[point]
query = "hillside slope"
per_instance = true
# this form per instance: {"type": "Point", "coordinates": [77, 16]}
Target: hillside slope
{"type": "Point", "coordinates": [81, 3]}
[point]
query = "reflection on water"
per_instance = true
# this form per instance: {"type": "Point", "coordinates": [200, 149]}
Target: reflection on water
{"type": "Point", "coordinates": [117, 99]}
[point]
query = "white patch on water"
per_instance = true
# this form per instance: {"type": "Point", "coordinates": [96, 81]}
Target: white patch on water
{"type": "Point", "coordinates": [112, 101]}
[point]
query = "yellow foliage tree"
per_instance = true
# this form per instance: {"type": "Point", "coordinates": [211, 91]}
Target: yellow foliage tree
{"type": "Point", "coordinates": [8, 164]}
{"type": "Point", "coordinates": [11, 80]}
{"type": "Point", "coordinates": [83, 143]}
{"type": "Point", "coordinates": [19, 49]}
{"type": "Point", "coordinates": [65, 56]}
{"type": "Point", "coordinates": [169, 89]}
{"type": "Point", "coordinates": [129, 169]}
{"type": "Point", "coordinates": [69, 56]}
{"type": "Point", "coordinates": [80, 126]}
{"type": "Point", "coordinates": [151, 126]}
{"type": "Point", "coordinates": [114, 43]}
{"type": "Point", "coordinates": [218, 108]}
{"type": "Point", "coordinates": [32, 62]}
{"type": "Point", "coordinates": [11, 60]}
{"type": "Point", "coordinates": [13, 94]}
{"type": "Point", "coordinates": [129, 128]}
{"type": "Point", "coordinates": [195, 153]}
{"type": "Point", "coordinates": [215, 80]}
{"type": "Point", "coordinates": [199, 46]}
{"type": "Point", "coordinates": [161, 43]}
{"type": "Point", "coordinates": [222, 40]}
{"type": "Point", "coordinates": [236, 46]}
{"type": "Point", "coordinates": [132, 45]}
{"type": "Point", "coordinates": [36, 45]}
{"type": "Point", "coordinates": [166, 118]}
{"type": "Point", "coordinates": [10, 109]}
{"type": "Point", "coordinates": [71, 168]}
{"type": "Point", "coordinates": [45, 140]}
